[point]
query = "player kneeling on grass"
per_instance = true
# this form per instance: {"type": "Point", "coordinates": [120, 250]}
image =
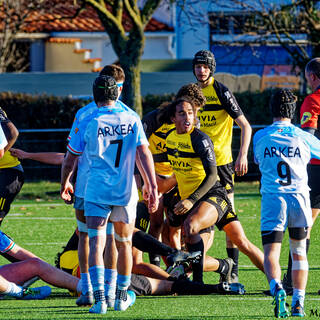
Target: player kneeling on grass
{"type": "Point", "coordinates": [283, 152]}
{"type": "Point", "coordinates": [204, 201]}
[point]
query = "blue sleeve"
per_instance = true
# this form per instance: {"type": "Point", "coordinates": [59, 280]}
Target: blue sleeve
{"type": "Point", "coordinates": [141, 136]}
{"type": "Point", "coordinates": [76, 144]}
{"type": "Point", "coordinates": [257, 136]}
{"type": "Point", "coordinates": [6, 244]}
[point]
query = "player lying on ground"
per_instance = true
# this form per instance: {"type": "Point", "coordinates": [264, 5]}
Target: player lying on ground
{"type": "Point", "coordinates": [28, 267]}
{"type": "Point", "coordinates": [143, 285]}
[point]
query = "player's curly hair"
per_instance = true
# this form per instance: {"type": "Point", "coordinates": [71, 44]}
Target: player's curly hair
{"type": "Point", "coordinates": [194, 93]}
{"type": "Point", "coordinates": [283, 103]}
{"type": "Point", "coordinates": [171, 108]}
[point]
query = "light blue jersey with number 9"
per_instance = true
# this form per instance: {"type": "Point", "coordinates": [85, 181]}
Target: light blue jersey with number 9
{"type": "Point", "coordinates": [282, 152]}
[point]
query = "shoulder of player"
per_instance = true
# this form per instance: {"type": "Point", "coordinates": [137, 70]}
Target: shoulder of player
{"type": "Point", "coordinates": [151, 121]}
{"type": "Point", "coordinates": [199, 138]}
{"type": "Point", "coordinates": [126, 108]}
{"type": "Point", "coordinates": [85, 111]}
{"type": "Point", "coordinates": [150, 116]}
{"type": "Point", "coordinates": [261, 133]}
{"type": "Point", "coordinates": [220, 88]}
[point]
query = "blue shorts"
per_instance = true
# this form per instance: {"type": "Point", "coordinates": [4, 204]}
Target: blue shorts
{"type": "Point", "coordinates": [78, 203]}
{"type": "Point", "coordinates": [282, 210]}
{"type": "Point", "coordinates": [125, 214]}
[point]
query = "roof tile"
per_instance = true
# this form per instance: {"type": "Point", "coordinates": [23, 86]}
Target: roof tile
{"type": "Point", "coordinates": [60, 17]}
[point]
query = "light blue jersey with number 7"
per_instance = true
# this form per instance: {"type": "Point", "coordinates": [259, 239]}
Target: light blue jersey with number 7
{"type": "Point", "coordinates": [282, 152]}
{"type": "Point", "coordinates": [111, 140]}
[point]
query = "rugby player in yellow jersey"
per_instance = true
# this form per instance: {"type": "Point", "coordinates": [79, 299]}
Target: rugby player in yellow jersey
{"type": "Point", "coordinates": [216, 120]}
{"type": "Point", "coordinates": [156, 130]}
{"type": "Point", "coordinates": [11, 172]}
{"type": "Point", "coordinates": [204, 201]}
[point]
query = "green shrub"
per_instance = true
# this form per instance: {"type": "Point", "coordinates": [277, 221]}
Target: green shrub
{"type": "Point", "coordinates": [44, 112]}
{"type": "Point", "coordinates": [40, 111]}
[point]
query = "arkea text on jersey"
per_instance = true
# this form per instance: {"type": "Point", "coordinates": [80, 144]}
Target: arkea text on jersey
{"type": "Point", "coordinates": [286, 152]}
{"type": "Point", "coordinates": [120, 130]}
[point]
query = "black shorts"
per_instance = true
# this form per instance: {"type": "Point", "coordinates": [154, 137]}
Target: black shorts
{"type": "Point", "coordinates": [226, 176]}
{"type": "Point", "coordinates": [215, 196]}
{"type": "Point", "coordinates": [11, 182]}
{"type": "Point", "coordinates": [140, 285]}
{"type": "Point", "coordinates": [143, 217]}
{"type": "Point", "coordinates": [313, 181]}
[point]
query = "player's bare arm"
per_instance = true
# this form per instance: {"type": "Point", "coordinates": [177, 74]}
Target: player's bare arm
{"type": "Point", "coordinates": [55, 158]}
{"type": "Point", "coordinates": [66, 189]}
{"type": "Point", "coordinates": [241, 165]}
{"type": "Point", "coordinates": [145, 160]}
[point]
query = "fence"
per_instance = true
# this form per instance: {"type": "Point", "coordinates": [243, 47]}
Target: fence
{"type": "Point", "coordinates": [55, 140]}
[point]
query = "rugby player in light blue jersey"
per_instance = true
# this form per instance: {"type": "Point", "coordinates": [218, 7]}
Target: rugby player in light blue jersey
{"type": "Point", "coordinates": [82, 118]}
{"type": "Point", "coordinates": [282, 152]}
{"type": "Point", "coordinates": [113, 140]}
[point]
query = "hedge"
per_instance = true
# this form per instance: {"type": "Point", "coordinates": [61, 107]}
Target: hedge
{"type": "Point", "coordinates": [42, 111]}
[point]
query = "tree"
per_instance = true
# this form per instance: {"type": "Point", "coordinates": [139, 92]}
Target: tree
{"type": "Point", "coordinates": [15, 15]}
{"type": "Point", "coordinates": [128, 46]}
{"type": "Point", "coordinates": [294, 25]}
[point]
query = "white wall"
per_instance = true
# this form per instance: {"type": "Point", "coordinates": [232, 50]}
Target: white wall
{"type": "Point", "coordinates": [157, 46]}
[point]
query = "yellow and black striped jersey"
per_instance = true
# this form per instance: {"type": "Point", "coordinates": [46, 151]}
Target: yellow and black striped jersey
{"type": "Point", "coordinates": [156, 134]}
{"type": "Point", "coordinates": [216, 119]}
{"type": "Point", "coordinates": [7, 161]}
{"type": "Point", "coordinates": [190, 155]}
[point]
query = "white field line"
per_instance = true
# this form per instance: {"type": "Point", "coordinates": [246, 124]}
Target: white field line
{"type": "Point", "coordinates": [39, 218]}
{"type": "Point", "coordinates": [44, 244]}
{"type": "Point", "coordinates": [36, 204]}
{"type": "Point", "coordinates": [245, 297]}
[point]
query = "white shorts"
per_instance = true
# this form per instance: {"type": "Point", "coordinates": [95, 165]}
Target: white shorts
{"type": "Point", "coordinates": [125, 214]}
{"type": "Point", "coordinates": [280, 211]}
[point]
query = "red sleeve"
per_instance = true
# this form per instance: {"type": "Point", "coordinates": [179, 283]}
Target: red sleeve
{"type": "Point", "coordinates": [309, 113]}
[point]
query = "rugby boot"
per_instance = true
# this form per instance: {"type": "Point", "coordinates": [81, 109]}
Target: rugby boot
{"type": "Point", "coordinates": [280, 309]}
{"type": "Point", "coordinates": [38, 293]}
{"type": "Point", "coordinates": [124, 299]}
{"type": "Point", "coordinates": [99, 307]}
{"type": "Point", "coordinates": [85, 299]}
{"type": "Point", "coordinates": [297, 310]}
{"type": "Point", "coordinates": [182, 256]}
{"type": "Point", "coordinates": [226, 274]}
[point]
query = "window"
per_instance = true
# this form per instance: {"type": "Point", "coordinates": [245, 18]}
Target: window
{"type": "Point", "coordinates": [227, 23]}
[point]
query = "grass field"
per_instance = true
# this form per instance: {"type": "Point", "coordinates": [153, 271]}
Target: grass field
{"type": "Point", "coordinates": [42, 223]}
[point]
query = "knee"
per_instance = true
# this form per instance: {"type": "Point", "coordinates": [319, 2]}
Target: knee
{"type": "Point", "coordinates": [35, 263]}
{"type": "Point", "coordinates": [191, 228]}
{"type": "Point", "coordinates": [122, 242]}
